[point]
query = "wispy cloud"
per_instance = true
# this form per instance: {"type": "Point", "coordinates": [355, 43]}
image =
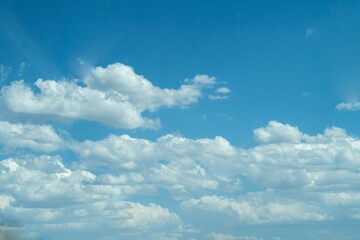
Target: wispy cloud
{"type": "Point", "coordinates": [221, 94]}
{"type": "Point", "coordinates": [348, 106]}
{"type": "Point", "coordinates": [4, 72]}
{"type": "Point", "coordinates": [21, 70]}
{"type": "Point", "coordinates": [309, 32]}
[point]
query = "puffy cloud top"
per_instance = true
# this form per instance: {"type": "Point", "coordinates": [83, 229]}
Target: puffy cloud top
{"type": "Point", "coordinates": [115, 96]}
{"type": "Point", "coordinates": [276, 132]}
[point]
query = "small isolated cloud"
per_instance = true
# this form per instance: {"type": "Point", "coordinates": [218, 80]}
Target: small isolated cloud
{"type": "Point", "coordinates": [348, 106]}
{"type": "Point", "coordinates": [223, 90]}
{"type": "Point", "coordinates": [223, 115]}
{"type": "Point", "coordinates": [4, 72]}
{"type": "Point", "coordinates": [221, 94]}
{"type": "Point", "coordinates": [218, 97]}
{"type": "Point", "coordinates": [309, 32]}
{"type": "Point", "coordinates": [80, 61]}
{"type": "Point", "coordinates": [306, 94]}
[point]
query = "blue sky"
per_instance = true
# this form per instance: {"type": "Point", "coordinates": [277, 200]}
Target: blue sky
{"type": "Point", "coordinates": [180, 119]}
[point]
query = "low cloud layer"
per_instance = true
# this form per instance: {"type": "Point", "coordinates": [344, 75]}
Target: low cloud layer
{"type": "Point", "coordinates": [298, 177]}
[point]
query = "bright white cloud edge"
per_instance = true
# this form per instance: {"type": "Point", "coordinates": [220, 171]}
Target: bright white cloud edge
{"type": "Point", "coordinates": [114, 95]}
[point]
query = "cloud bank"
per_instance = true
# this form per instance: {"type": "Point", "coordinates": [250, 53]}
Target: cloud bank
{"type": "Point", "coordinates": [299, 177]}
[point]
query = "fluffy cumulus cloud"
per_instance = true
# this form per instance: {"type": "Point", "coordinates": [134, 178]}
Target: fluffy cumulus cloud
{"type": "Point", "coordinates": [286, 160]}
{"type": "Point", "coordinates": [43, 193]}
{"type": "Point", "coordinates": [276, 132]}
{"type": "Point", "coordinates": [257, 208]}
{"type": "Point", "coordinates": [115, 96]}
{"type": "Point", "coordinates": [35, 137]}
{"type": "Point", "coordinates": [178, 164]}
{"type": "Point", "coordinates": [140, 92]}
{"type": "Point", "coordinates": [311, 163]}
{"type": "Point", "coordinates": [128, 187]}
{"type": "Point", "coordinates": [300, 177]}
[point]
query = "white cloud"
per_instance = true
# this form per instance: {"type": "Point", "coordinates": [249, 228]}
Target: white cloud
{"type": "Point", "coordinates": [47, 196]}
{"type": "Point", "coordinates": [276, 132]}
{"type": "Point", "coordinates": [36, 137]}
{"type": "Point", "coordinates": [148, 216]}
{"type": "Point", "coordinates": [257, 208]}
{"type": "Point", "coordinates": [41, 179]}
{"type": "Point", "coordinates": [311, 163]}
{"type": "Point", "coordinates": [223, 90]}
{"type": "Point", "coordinates": [114, 96]}
{"type": "Point", "coordinates": [140, 92]}
{"type": "Point", "coordinates": [349, 106]}
{"type": "Point", "coordinates": [221, 94]}
{"type": "Point", "coordinates": [66, 100]}
{"type": "Point", "coordinates": [175, 163]}
{"type": "Point", "coordinates": [117, 152]}
{"type": "Point", "coordinates": [186, 167]}
{"type": "Point", "coordinates": [295, 176]}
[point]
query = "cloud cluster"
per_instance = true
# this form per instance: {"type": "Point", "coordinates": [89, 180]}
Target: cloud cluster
{"type": "Point", "coordinates": [44, 193]}
{"type": "Point", "coordinates": [303, 161]}
{"type": "Point", "coordinates": [180, 165]}
{"type": "Point", "coordinates": [131, 187]}
{"type": "Point", "coordinates": [302, 177]}
{"type": "Point", "coordinates": [115, 96]}
{"type": "Point", "coordinates": [257, 208]}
